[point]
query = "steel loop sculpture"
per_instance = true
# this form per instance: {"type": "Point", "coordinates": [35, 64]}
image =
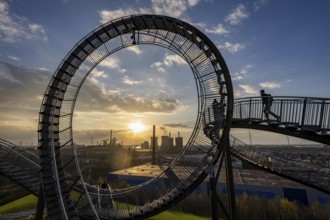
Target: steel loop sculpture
{"type": "Point", "coordinates": [66, 194]}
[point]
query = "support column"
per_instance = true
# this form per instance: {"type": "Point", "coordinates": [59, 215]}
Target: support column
{"type": "Point", "coordinates": [40, 205]}
{"type": "Point", "coordinates": [230, 181]}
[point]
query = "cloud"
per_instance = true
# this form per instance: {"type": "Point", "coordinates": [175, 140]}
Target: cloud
{"type": "Point", "coordinates": [173, 8]}
{"type": "Point", "coordinates": [135, 50]}
{"type": "Point", "coordinates": [170, 59]}
{"type": "Point", "coordinates": [248, 89]}
{"type": "Point", "coordinates": [178, 125]}
{"type": "Point", "coordinates": [15, 28]}
{"type": "Point", "coordinates": [241, 74]}
{"type": "Point", "coordinates": [218, 30]}
{"type": "Point", "coordinates": [129, 81]}
{"type": "Point", "coordinates": [98, 74]}
{"type": "Point", "coordinates": [270, 85]}
{"type": "Point", "coordinates": [259, 4]}
{"type": "Point", "coordinates": [143, 105]}
{"type": "Point", "coordinates": [112, 63]}
{"type": "Point", "coordinates": [237, 15]}
{"type": "Point", "coordinates": [94, 97]}
{"type": "Point", "coordinates": [193, 2]}
{"type": "Point", "coordinates": [231, 47]}
{"type": "Point", "coordinates": [109, 15]}
{"type": "Point", "coordinates": [14, 58]}
{"type": "Point", "coordinates": [21, 98]}
{"type": "Point", "coordinates": [158, 67]}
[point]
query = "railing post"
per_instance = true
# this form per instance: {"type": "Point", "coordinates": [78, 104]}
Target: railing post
{"type": "Point", "coordinates": [281, 111]}
{"type": "Point", "coordinates": [303, 113]}
{"type": "Point", "coordinates": [250, 108]}
{"type": "Point", "coordinates": [321, 114]}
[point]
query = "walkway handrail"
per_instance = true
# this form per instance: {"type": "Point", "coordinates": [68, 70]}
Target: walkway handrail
{"type": "Point", "coordinates": [304, 113]}
{"type": "Point", "coordinates": [20, 165]}
{"type": "Point", "coordinates": [23, 154]}
{"type": "Point", "coordinates": [299, 172]}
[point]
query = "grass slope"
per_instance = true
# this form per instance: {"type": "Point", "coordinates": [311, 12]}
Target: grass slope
{"type": "Point", "coordinates": [22, 204]}
{"type": "Point", "coordinates": [30, 202]}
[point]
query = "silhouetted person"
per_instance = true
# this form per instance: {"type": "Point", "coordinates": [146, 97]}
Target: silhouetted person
{"type": "Point", "coordinates": [216, 110]}
{"type": "Point", "coordinates": [267, 101]}
{"type": "Point", "coordinates": [104, 186]}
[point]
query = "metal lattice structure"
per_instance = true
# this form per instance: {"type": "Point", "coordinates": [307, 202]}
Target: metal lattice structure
{"type": "Point", "coordinates": [20, 166]}
{"type": "Point", "coordinates": [303, 173]}
{"type": "Point", "coordinates": [66, 194]}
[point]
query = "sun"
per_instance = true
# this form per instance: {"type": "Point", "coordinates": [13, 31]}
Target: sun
{"type": "Point", "coordinates": [136, 127]}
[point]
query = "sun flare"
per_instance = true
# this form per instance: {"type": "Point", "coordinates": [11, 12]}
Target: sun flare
{"type": "Point", "coordinates": [136, 127]}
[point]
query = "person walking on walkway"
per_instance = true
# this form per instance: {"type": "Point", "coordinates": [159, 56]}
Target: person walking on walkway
{"type": "Point", "coordinates": [267, 101]}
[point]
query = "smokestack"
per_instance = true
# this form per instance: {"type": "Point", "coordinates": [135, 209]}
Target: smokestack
{"type": "Point", "coordinates": [178, 133]}
{"type": "Point", "coordinates": [154, 145]}
{"type": "Point", "coordinates": [169, 134]}
{"type": "Point", "coordinates": [110, 136]}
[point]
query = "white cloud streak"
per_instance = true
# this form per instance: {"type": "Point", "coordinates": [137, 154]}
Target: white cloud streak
{"type": "Point", "coordinates": [231, 47]}
{"type": "Point", "coordinates": [218, 30]}
{"type": "Point", "coordinates": [248, 89]}
{"type": "Point", "coordinates": [270, 85]}
{"type": "Point", "coordinates": [129, 81]}
{"type": "Point", "coordinates": [168, 61]}
{"type": "Point", "coordinates": [173, 8]}
{"type": "Point", "coordinates": [241, 74]}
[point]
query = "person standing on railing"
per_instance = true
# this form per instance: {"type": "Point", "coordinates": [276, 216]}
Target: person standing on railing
{"type": "Point", "coordinates": [267, 101]}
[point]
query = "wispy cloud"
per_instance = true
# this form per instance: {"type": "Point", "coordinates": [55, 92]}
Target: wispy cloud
{"type": "Point", "coordinates": [173, 8]}
{"type": "Point", "coordinates": [112, 63]}
{"type": "Point", "coordinates": [168, 61]}
{"type": "Point", "coordinates": [259, 4]}
{"type": "Point", "coordinates": [20, 106]}
{"type": "Point", "coordinates": [129, 81]}
{"type": "Point", "coordinates": [270, 85]}
{"type": "Point", "coordinates": [98, 73]}
{"type": "Point", "coordinates": [109, 15]}
{"type": "Point", "coordinates": [231, 47]}
{"type": "Point", "coordinates": [218, 30]}
{"type": "Point", "coordinates": [15, 28]}
{"type": "Point", "coordinates": [135, 50]}
{"type": "Point", "coordinates": [248, 89]}
{"type": "Point", "coordinates": [237, 15]}
{"type": "Point", "coordinates": [158, 66]}
{"type": "Point", "coordinates": [14, 58]}
{"type": "Point", "coordinates": [171, 59]}
{"type": "Point", "coordinates": [241, 74]}
{"type": "Point", "coordinates": [178, 125]}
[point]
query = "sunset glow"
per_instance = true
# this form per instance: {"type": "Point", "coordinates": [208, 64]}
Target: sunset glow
{"type": "Point", "coordinates": [137, 127]}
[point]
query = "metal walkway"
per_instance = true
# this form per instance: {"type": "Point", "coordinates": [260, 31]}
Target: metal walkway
{"type": "Point", "coordinates": [297, 171]}
{"type": "Point", "coordinates": [20, 166]}
{"type": "Point", "coordinates": [303, 117]}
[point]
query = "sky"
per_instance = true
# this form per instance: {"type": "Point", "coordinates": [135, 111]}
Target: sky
{"type": "Point", "coordinates": [276, 45]}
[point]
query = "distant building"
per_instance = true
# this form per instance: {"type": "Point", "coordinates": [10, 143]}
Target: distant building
{"type": "Point", "coordinates": [178, 143]}
{"type": "Point", "coordinates": [145, 145]}
{"type": "Point", "coordinates": [167, 143]}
